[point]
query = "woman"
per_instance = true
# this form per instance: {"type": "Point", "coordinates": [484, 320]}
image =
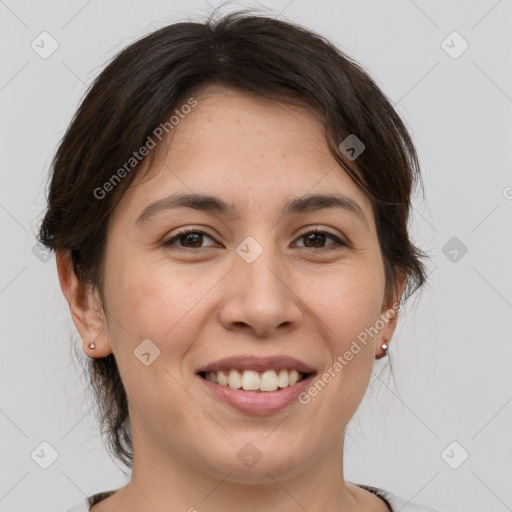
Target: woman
{"type": "Point", "coordinates": [229, 214]}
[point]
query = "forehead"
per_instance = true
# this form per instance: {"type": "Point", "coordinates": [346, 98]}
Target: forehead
{"type": "Point", "coordinates": [247, 149]}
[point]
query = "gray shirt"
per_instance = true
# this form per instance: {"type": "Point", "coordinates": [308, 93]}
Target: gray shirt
{"type": "Point", "coordinates": [394, 503]}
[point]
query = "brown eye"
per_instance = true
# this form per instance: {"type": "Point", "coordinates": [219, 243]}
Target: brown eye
{"type": "Point", "coordinates": [316, 239]}
{"type": "Point", "coordinates": [191, 239]}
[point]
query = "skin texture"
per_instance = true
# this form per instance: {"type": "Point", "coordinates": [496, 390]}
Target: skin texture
{"type": "Point", "coordinates": [197, 307]}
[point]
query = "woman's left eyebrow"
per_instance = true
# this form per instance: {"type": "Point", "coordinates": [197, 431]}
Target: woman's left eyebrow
{"type": "Point", "coordinates": [208, 203]}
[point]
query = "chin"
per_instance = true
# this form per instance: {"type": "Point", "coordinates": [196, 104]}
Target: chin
{"type": "Point", "coordinates": [255, 460]}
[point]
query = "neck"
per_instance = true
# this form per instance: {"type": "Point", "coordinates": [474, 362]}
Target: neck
{"type": "Point", "coordinates": [162, 483]}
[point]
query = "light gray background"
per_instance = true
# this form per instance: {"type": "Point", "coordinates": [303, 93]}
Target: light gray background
{"type": "Point", "coordinates": [451, 356]}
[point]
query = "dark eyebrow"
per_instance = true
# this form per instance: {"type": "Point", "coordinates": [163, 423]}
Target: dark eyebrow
{"type": "Point", "coordinates": [314, 202]}
{"type": "Point", "coordinates": [201, 202]}
{"type": "Point", "coordinates": [207, 203]}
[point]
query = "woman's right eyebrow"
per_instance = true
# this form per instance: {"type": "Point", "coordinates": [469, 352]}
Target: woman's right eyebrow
{"type": "Point", "coordinates": [203, 202]}
{"type": "Point", "coordinates": [209, 203]}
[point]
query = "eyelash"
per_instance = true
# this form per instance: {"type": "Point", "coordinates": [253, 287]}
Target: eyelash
{"type": "Point", "coordinates": [338, 241]}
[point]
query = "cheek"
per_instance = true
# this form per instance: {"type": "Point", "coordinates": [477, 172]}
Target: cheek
{"type": "Point", "coordinates": [345, 303]}
{"type": "Point", "coordinates": [154, 301]}
{"type": "Point", "coordinates": [148, 303]}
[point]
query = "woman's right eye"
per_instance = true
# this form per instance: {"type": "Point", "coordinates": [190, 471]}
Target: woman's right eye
{"type": "Point", "coordinates": [193, 237]}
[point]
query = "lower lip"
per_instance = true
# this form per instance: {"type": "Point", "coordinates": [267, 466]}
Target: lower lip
{"type": "Point", "coordinates": [254, 402]}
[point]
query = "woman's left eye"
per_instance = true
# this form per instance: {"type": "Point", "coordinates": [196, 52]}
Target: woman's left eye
{"type": "Point", "coordinates": [314, 239]}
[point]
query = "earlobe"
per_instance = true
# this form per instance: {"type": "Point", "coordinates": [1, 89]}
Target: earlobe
{"type": "Point", "coordinates": [389, 316]}
{"type": "Point", "coordinates": [83, 306]}
{"type": "Point", "coordinates": [384, 346]}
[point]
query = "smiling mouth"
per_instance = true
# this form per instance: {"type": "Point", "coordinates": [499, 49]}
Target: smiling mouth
{"type": "Point", "coordinates": [255, 381]}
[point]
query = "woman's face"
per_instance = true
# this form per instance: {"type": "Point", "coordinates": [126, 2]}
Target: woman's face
{"type": "Point", "coordinates": [251, 282]}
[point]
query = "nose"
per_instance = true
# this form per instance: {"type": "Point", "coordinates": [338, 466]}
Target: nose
{"type": "Point", "coordinates": [260, 298]}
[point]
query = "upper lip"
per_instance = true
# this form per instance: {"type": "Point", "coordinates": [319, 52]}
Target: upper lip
{"type": "Point", "coordinates": [258, 363]}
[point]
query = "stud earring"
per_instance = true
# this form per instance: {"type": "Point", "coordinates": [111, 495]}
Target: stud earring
{"type": "Point", "coordinates": [91, 345]}
{"type": "Point", "coordinates": [384, 347]}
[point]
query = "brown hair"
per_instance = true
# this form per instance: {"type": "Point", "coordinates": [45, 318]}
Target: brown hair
{"type": "Point", "coordinates": [148, 80]}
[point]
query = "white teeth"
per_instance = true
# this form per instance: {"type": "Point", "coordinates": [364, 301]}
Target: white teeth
{"type": "Point", "coordinates": [234, 379]}
{"type": "Point", "coordinates": [250, 380]}
{"type": "Point", "coordinates": [283, 378]}
{"type": "Point", "coordinates": [269, 381]}
{"type": "Point", "coordinates": [221, 377]}
{"type": "Point", "coordinates": [293, 377]}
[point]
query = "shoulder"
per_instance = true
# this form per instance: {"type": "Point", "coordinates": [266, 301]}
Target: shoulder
{"type": "Point", "coordinates": [87, 503]}
{"type": "Point", "coordinates": [83, 506]}
{"type": "Point", "coordinates": [395, 503]}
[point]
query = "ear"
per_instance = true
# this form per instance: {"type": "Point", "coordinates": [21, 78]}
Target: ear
{"type": "Point", "coordinates": [389, 313]}
{"type": "Point", "coordinates": [85, 306]}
